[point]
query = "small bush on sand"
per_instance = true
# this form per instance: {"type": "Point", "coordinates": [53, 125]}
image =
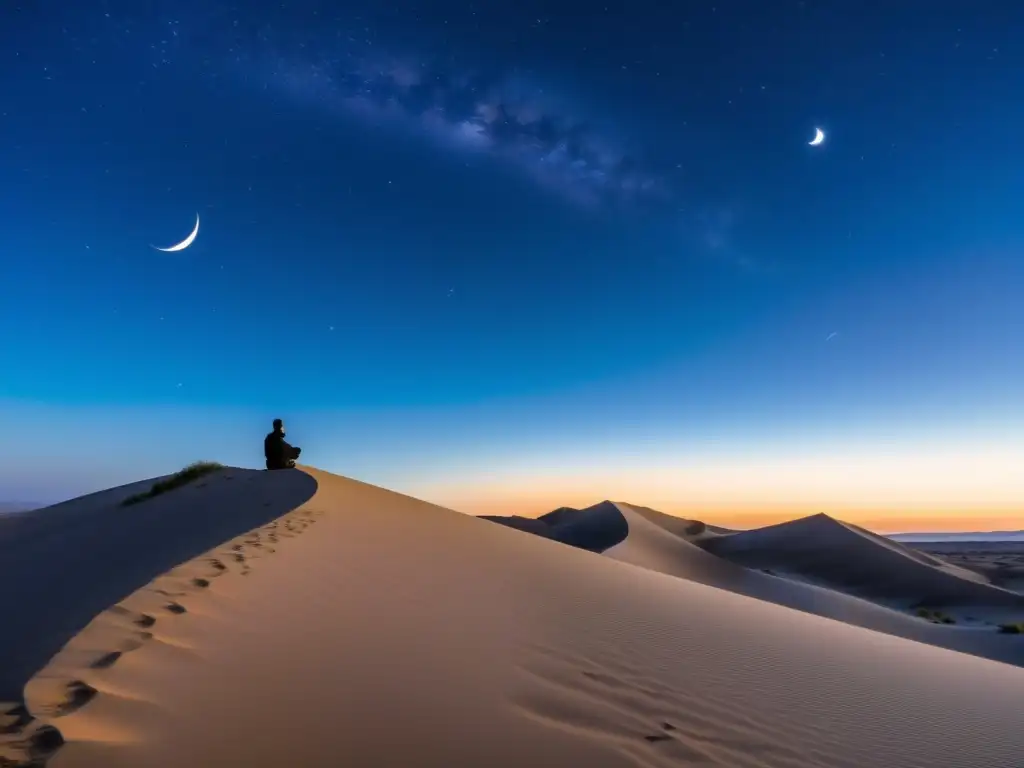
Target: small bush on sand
{"type": "Point", "coordinates": [935, 617]}
{"type": "Point", "coordinates": [1012, 629]}
{"type": "Point", "coordinates": [182, 477]}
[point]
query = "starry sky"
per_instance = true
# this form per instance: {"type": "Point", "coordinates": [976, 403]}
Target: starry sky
{"type": "Point", "coordinates": [507, 256]}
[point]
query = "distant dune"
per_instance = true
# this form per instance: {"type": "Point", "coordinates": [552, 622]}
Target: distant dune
{"type": "Point", "coordinates": [851, 558]}
{"type": "Point", "coordinates": [302, 619]}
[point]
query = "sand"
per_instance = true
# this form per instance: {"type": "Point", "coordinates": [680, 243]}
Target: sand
{"type": "Point", "coordinates": [1000, 562]}
{"type": "Point", "coordinates": [360, 627]}
{"type": "Point", "coordinates": [684, 548]}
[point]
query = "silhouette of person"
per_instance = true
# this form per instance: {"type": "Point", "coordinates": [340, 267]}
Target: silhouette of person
{"type": "Point", "coordinates": [279, 454]}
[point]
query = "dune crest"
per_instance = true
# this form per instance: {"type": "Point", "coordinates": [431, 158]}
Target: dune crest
{"type": "Point", "coordinates": [382, 630]}
{"type": "Point", "coordinates": [849, 557]}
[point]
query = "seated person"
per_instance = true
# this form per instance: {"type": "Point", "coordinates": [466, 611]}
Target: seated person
{"type": "Point", "coordinates": [279, 454]}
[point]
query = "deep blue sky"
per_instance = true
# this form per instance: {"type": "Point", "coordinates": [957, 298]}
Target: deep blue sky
{"type": "Point", "coordinates": [442, 234]}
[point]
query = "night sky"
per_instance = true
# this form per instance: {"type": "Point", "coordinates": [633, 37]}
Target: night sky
{"type": "Point", "coordinates": [513, 255]}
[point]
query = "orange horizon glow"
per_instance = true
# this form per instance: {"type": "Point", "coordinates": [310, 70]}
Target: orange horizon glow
{"type": "Point", "coordinates": [877, 520]}
{"type": "Point", "coordinates": [922, 491]}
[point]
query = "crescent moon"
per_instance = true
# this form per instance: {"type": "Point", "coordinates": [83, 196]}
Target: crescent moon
{"type": "Point", "coordinates": [184, 243]}
{"type": "Point", "coordinates": [819, 137]}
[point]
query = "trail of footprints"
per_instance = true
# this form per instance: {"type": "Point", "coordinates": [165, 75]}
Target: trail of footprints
{"type": "Point", "coordinates": [655, 725]}
{"type": "Point", "coordinates": [26, 742]}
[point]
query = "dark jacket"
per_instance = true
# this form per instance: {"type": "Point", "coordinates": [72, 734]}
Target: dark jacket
{"type": "Point", "coordinates": [279, 454]}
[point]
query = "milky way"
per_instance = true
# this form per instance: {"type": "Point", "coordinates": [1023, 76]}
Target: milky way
{"type": "Point", "coordinates": [491, 113]}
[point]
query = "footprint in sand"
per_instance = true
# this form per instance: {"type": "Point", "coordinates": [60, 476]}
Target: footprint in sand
{"type": "Point", "coordinates": [654, 737]}
{"type": "Point", "coordinates": [27, 743]}
{"type": "Point", "coordinates": [29, 746]}
{"type": "Point", "coordinates": [77, 694]}
{"type": "Point", "coordinates": [642, 717]}
{"type": "Point", "coordinates": [13, 718]}
{"type": "Point", "coordinates": [106, 661]}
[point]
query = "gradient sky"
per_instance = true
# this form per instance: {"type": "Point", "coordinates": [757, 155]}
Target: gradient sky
{"type": "Point", "coordinates": [508, 256]}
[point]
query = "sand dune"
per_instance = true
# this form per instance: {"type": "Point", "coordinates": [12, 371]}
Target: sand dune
{"type": "Point", "coordinates": [680, 547]}
{"type": "Point", "coordinates": [691, 530]}
{"type": "Point", "coordinates": [649, 545]}
{"type": "Point", "coordinates": [361, 627]}
{"type": "Point", "coordinates": [594, 529]}
{"type": "Point", "coordinates": [63, 565]}
{"type": "Point", "coordinates": [851, 558]}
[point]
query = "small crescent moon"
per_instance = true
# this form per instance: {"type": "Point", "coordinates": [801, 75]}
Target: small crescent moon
{"type": "Point", "coordinates": [819, 137]}
{"type": "Point", "coordinates": [184, 243]}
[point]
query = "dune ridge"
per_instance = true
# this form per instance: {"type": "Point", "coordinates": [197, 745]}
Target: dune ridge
{"type": "Point", "coordinates": [401, 633]}
{"type": "Point", "coordinates": [846, 556]}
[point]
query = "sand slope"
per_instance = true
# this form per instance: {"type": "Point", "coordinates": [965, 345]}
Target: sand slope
{"type": "Point", "coordinates": [854, 559]}
{"type": "Point", "coordinates": [594, 529]}
{"type": "Point", "coordinates": [366, 628]}
{"type": "Point", "coordinates": [679, 547]}
{"type": "Point", "coordinates": [650, 546]}
{"type": "Point", "coordinates": [62, 565]}
{"type": "Point", "coordinates": [691, 530]}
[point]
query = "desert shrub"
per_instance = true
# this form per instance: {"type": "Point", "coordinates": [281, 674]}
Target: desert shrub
{"type": "Point", "coordinates": [1012, 629]}
{"type": "Point", "coordinates": [934, 616]}
{"type": "Point", "coordinates": [182, 477]}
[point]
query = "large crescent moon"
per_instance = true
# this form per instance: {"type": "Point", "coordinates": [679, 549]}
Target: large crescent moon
{"type": "Point", "coordinates": [184, 243]}
{"type": "Point", "coordinates": [819, 137]}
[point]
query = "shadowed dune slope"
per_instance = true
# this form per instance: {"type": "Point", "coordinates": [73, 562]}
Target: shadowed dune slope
{"type": "Point", "coordinates": [62, 565]}
{"type": "Point", "coordinates": [399, 633]}
{"type": "Point", "coordinates": [848, 557]}
{"type": "Point", "coordinates": [594, 529]}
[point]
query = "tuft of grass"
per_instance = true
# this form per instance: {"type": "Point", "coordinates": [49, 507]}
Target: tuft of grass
{"type": "Point", "coordinates": [182, 477]}
{"type": "Point", "coordinates": [1012, 629]}
{"type": "Point", "coordinates": [935, 617]}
